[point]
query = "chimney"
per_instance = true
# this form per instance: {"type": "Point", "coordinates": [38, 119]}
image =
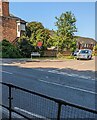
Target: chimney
{"type": "Point", "coordinates": [4, 8]}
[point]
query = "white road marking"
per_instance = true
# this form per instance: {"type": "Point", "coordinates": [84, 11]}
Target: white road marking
{"type": "Point", "coordinates": [54, 71]}
{"type": "Point", "coordinates": [78, 89]}
{"type": "Point", "coordinates": [29, 113]}
{"type": "Point", "coordinates": [6, 72]}
{"type": "Point", "coordinates": [6, 113]}
{"type": "Point", "coordinates": [70, 74]}
{"type": "Point", "coordinates": [5, 64]}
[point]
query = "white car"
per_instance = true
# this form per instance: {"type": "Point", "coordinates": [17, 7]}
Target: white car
{"type": "Point", "coordinates": [84, 54]}
{"type": "Point", "coordinates": [75, 53]}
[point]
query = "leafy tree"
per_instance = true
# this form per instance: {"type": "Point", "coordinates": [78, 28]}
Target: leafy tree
{"type": "Point", "coordinates": [32, 27]}
{"type": "Point", "coordinates": [43, 35]}
{"type": "Point", "coordinates": [54, 40]}
{"type": "Point", "coordinates": [65, 32]}
{"type": "Point", "coordinates": [9, 50]}
{"type": "Point", "coordinates": [24, 46]}
{"type": "Point", "coordinates": [37, 33]}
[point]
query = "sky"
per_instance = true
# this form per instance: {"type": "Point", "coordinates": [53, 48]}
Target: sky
{"type": "Point", "coordinates": [45, 12]}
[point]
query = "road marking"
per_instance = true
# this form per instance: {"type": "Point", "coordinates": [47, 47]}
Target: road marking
{"type": "Point", "coordinates": [70, 74]}
{"type": "Point", "coordinates": [6, 72]}
{"type": "Point", "coordinates": [6, 113]}
{"type": "Point", "coordinates": [78, 89]}
{"type": "Point", "coordinates": [5, 64]}
{"type": "Point", "coordinates": [29, 113]}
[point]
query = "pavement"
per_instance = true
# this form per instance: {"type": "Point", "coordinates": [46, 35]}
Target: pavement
{"type": "Point", "coordinates": [47, 63]}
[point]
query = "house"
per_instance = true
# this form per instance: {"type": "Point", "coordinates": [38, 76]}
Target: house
{"type": "Point", "coordinates": [85, 43]}
{"type": "Point", "coordinates": [11, 27]}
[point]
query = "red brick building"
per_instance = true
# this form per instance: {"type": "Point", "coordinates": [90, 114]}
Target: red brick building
{"type": "Point", "coordinates": [86, 43]}
{"type": "Point", "coordinates": [11, 27]}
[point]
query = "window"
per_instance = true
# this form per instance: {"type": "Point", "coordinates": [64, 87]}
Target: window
{"type": "Point", "coordinates": [18, 27]}
{"type": "Point", "coordinates": [23, 27]}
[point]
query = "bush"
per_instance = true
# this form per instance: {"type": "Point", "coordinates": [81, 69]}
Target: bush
{"type": "Point", "coordinates": [9, 50]}
{"type": "Point", "coordinates": [95, 48]}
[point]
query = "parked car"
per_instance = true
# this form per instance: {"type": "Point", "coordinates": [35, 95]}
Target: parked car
{"type": "Point", "coordinates": [75, 53]}
{"type": "Point", "coordinates": [84, 54]}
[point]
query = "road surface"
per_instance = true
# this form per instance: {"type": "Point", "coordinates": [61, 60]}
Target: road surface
{"type": "Point", "coordinates": [65, 84]}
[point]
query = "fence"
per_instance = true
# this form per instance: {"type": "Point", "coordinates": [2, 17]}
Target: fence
{"type": "Point", "coordinates": [32, 105]}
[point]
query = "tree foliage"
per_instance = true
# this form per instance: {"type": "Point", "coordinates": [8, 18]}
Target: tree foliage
{"type": "Point", "coordinates": [37, 33]}
{"type": "Point", "coordinates": [32, 27]}
{"type": "Point", "coordinates": [24, 46]}
{"type": "Point", "coordinates": [66, 28]}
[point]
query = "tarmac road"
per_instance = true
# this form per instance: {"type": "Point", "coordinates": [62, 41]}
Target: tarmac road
{"type": "Point", "coordinates": [66, 84]}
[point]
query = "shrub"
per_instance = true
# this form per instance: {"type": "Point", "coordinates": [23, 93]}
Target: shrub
{"type": "Point", "coordinates": [9, 50]}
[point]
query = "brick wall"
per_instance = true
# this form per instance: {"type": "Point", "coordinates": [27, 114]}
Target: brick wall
{"type": "Point", "coordinates": [9, 29]}
{"type": "Point", "coordinates": [1, 37]}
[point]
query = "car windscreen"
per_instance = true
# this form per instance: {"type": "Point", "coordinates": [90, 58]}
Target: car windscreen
{"type": "Point", "coordinates": [84, 51]}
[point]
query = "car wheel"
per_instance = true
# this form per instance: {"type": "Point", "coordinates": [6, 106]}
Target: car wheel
{"type": "Point", "coordinates": [90, 57]}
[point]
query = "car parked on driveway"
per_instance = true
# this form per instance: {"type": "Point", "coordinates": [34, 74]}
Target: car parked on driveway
{"type": "Point", "coordinates": [84, 54]}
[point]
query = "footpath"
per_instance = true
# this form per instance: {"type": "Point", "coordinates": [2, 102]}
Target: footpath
{"type": "Point", "coordinates": [79, 65]}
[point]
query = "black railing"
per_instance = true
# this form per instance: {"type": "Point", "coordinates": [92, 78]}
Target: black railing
{"type": "Point", "coordinates": [29, 105]}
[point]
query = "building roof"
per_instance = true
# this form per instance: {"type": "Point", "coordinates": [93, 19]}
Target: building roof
{"type": "Point", "coordinates": [17, 18]}
{"type": "Point", "coordinates": [86, 40]}
{"type": "Point", "coordinates": [11, 16]}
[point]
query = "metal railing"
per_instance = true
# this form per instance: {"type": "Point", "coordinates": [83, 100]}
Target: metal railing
{"type": "Point", "coordinates": [29, 104]}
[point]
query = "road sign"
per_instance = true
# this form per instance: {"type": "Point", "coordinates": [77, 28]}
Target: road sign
{"type": "Point", "coordinates": [39, 44]}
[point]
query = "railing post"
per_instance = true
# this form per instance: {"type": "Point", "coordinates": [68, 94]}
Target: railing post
{"type": "Point", "coordinates": [10, 102]}
{"type": "Point", "coordinates": [59, 111]}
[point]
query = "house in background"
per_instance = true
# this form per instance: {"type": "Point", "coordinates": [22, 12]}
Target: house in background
{"type": "Point", "coordinates": [85, 43]}
{"type": "Point", "coordinates": [11, 27]}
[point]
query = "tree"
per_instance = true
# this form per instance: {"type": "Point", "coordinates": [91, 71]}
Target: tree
{"type": "Point", "coordinates": [37, 33]}
{"type": "Point", "coordinates": [43, 35]}
{"type": "Point", "coordinates": [65, 30]}
{"type": "Point", "coordinates": [32, 27]}
{"type": "Point", "coordinates": [24, 46]}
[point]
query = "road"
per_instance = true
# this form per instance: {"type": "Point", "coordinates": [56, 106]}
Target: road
{"type": "Point", "coordinates": [65, 84]}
